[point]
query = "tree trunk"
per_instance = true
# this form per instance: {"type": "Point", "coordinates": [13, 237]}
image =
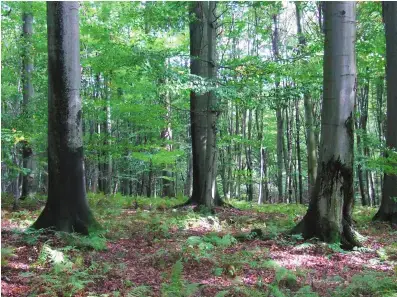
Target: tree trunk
{"type": "Point", "coordinates": [27, 70]}
{"type": "Point", "coordinates": [388, 207]}
{"type": "Point", "coordinates": [329, 216]}
{"type": "Point", "coordinates": [166, 135]}
{"type": "Point", "coordinates": [67, 208]}
{"type": "Point", "coordinates": [203, 107]}
{"type": "Point", "coordinates": [310, 138]}
{"type": "Point", "coordinates": [279, 115]}
{"type": "Point", "coordinates": [298, 151]}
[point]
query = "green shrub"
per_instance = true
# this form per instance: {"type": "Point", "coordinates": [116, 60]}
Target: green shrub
{"type": "Point", "coordinates": [369, 284]}
{"type": "Point", "coordinates": [6, 253]}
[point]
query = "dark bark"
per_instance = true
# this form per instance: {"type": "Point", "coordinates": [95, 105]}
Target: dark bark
{"type": "Point", "coordinates": [203, 112]}
{"type": "Point", "coordinates": [66, 208]}
{"type": "Point", "coordinates": [388, 208]}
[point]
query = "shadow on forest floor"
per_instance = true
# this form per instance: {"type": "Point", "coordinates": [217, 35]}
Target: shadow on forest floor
{"type": "Point", "coordinates": [149, 249]}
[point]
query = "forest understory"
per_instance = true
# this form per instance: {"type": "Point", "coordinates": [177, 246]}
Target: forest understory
{"type": "Point", "coordinates": [147, 248]}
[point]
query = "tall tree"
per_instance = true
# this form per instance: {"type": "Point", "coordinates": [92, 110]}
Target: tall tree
{"type": "Point", "coordinates": [310, 138]}
{"type": "Point", "coordinates": [27, 70]}
{"type": "Point", "coordinates": [388, 208]}
{"type": "Point", "coordinates": [329, 216]}
{"type": "Point", "coordinates": [66, 208]}
{"type": "Point", "coordinates": [203, 113]}
{"type": "Point", "coordinates": [279, 113]}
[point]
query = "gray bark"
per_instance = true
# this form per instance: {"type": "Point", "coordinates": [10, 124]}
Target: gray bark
{"type": "Point", "coordinates": [329, 215]}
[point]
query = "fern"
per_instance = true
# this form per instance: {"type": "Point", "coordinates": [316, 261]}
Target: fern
{"type": "Point", "coordinates": [178, 287]}
{"type": "Point", "coordinates": [139, 291]}
{"type": "Point", "coordinates": [369, 284]}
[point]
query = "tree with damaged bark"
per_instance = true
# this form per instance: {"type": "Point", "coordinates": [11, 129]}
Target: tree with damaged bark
{"type": "Point", "coordinates": [66, 208]}
{"type": "Point", "coordinates": [388, 208]}
{"type": "Point", "coordinates": [329, 216]}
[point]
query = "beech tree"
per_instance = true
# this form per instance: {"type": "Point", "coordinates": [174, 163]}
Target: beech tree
{"type": "Point", "coordinates": [66, 208]}
{"type": "Point", "coordinates": [388, 208]}
{"type": "Point", "coordinates": [329, 216]}
{"type": "Point", "coordinates": [203, 112]}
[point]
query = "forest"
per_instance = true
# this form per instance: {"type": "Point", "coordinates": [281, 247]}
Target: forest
{"type": "Point", "coordinates": [203, 148]}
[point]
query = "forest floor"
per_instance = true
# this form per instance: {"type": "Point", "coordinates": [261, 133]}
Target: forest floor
{"type": "Point", "coordinates": [149, 249]}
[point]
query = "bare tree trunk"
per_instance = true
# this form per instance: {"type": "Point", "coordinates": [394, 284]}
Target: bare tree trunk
{"type": "Point", "coordinates": [298, 151]}
{"type": "Point", "coordinates": [166, 135]}
{"type": "Point", "coordinates": [310, 138]}
{"type": "Point", "coordinates": [329, 216]}
{"type": "Point", "coordinates": [388, 207]}
{"type": "Point", "coordinates": [67, 208]}
{"type": "Point", "coordinates": [279, 115]}
{"type": "Point", "coordinates": [203, 107]}
{"type": "Point", "coordinates": [27, 71]}
{"type": "Point", "coordinates": [189, 180]}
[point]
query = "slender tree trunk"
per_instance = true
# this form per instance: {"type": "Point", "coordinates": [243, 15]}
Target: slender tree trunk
{"type": "Point", "coordinates": [388, 207]}
{"type": "Point", "coordinates": [27, 71]}
{"type": "Point", "coordinates": [248, 158]}
{"type": "Point", "coordinates": [67, 208]}
{"type": "Point", "coordinates": [166, 135]}
{"type": "Point", "coordinates": [279, 115]}
{"type": "Point", "coordinates": [238, 154]}
{"type": "Point", "coordinates": [329, 216]}
{"type": "Point", "coordinates": [310, 135]}
{"type": "Point", "coordinates": [189, 180]}
{"type": "Point", "coordinates": [280, 154]}
{"type": "Point", "coordinates": [298, 151]}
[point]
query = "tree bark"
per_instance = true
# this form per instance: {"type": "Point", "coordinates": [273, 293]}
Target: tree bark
{"type": "Point", "coordinates": [329, 216]}
{"type": "Point", "coordinates": [298, 151]}
{"type": "Point", "coordinates": [27, 70]}
{"type": "Point", "coordinates": [279, 115]}
{"type": "Point", "coordinates": [203, 103]}
{"type": "Point", "coordinates": [66, 208]}
{"type": "Point", "coordinates": [388, 207]}
{"type": "Point", "coordinates": [310, 138]}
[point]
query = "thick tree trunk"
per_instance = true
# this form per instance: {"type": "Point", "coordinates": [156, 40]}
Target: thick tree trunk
{"type": "Point", "coordinates": [203, 107]}
{"type": "Point", "coordinates": [212, 112]}
{"type": "Point", "coordinates": [329, 216]}
{"type": "Point", "coordinates": [67, 208]}
{"type": "Point", "coordinates": [388, 208]}
{"type": "Point", "coordinates": [198, 101]}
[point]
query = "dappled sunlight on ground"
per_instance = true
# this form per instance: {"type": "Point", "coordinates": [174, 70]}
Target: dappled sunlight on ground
{"type": "Point", "coordinates": [143, 246]}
